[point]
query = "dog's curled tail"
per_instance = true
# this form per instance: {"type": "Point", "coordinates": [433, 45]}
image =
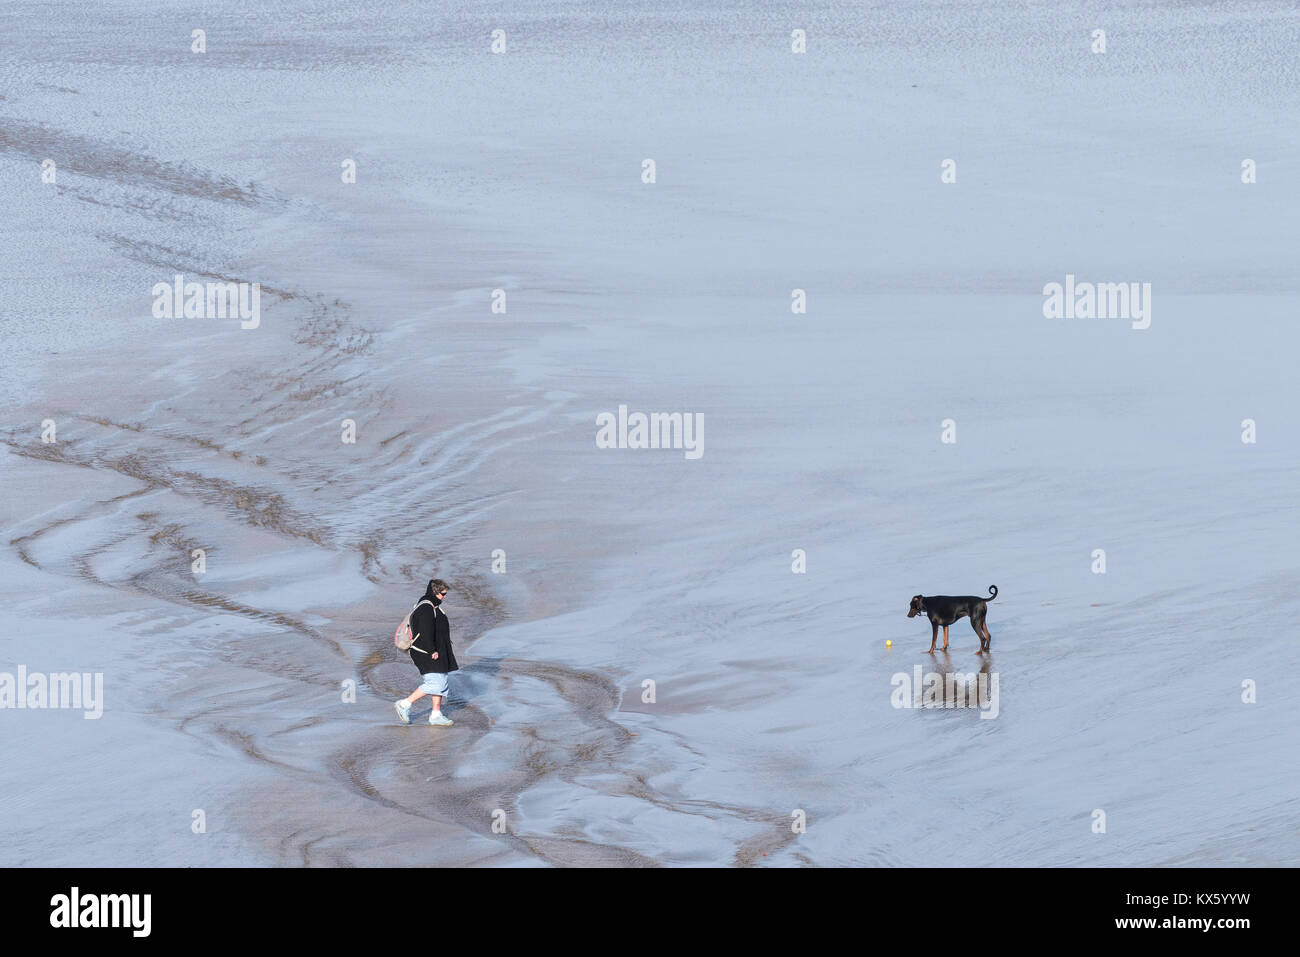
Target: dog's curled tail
{"type": "Point", "coordinates": [993, 592]}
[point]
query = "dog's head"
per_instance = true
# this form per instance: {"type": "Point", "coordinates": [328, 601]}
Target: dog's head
{"type": "Point", "coordinates": [915, 608]}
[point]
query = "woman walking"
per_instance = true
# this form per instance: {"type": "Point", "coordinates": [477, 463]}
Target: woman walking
{"type": "Point", "coordinates": [431, 653]}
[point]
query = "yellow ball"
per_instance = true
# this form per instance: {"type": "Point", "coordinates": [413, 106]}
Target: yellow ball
{"type": "Point", "coordinates": [889, 644]}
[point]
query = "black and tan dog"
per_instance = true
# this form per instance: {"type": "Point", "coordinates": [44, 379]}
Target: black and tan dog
{"type": "Point", "coordinates": [944, 610]}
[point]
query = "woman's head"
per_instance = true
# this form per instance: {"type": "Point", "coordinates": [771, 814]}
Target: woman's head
{"type": "Point", "coordinates": [436, 591]}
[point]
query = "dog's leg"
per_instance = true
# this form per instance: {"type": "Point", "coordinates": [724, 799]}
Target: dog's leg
{"type": "Point", "coordinates": [977, 622]}
{"type": "Point", "coordinates": [945, 638]}
{"type": "Point", "coordinates": [934, 635]}
{"type": "Point", "coordinates": [982, 629]}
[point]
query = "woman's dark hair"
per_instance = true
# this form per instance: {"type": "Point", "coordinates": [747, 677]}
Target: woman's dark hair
{"type": "Point", "coordinates": [436, 585]}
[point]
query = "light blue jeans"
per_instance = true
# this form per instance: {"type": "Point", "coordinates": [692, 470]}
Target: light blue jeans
{"type": "Point", "coordinates": [434, 683]}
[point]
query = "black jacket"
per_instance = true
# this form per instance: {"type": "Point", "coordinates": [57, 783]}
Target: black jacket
{"type": "Point", "coordinates": [432, 633]}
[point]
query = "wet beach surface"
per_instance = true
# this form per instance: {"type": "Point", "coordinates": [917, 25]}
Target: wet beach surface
{"type": "Point", "coordinates": [224, 690]}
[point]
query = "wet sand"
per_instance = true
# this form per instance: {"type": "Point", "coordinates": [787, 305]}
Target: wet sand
{"type": "Point", "coordinates": [475, 433]}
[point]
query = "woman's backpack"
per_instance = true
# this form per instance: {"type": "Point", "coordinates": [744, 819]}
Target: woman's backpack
{"type": "Point", "coordinates": [404, 638]}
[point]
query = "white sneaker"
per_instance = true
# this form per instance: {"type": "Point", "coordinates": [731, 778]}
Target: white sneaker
{"type": "Point", "coordinates": [403, 711]}
{"type": "Point", "coordinates": [441, 720]}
